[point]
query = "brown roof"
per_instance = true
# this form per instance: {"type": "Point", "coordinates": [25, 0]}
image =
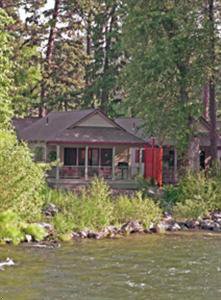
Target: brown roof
{"type": "Point", "coordinates": [97, 135]}
{"type": "Point", "coordinates": [21, 123]}
{"type": "Point", "coordinates": [134, 126]}
{"type": "Point", "coordinates": [61, 127]}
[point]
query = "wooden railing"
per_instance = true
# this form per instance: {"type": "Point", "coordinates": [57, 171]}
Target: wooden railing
{"type": "Point", "coordinates": [78, 172]}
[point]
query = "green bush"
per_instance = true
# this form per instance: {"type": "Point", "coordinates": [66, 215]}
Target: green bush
{"type": "Point", "coordinates": [11, 227]}
{"type": "Point", "coordinates": [21, 180]}
{"type": "Point", "coordinates": [144, 210]}
{"type": "Point", "coordinates": [170, 197]}
{"type": "Point", "coordinates": [196, 195]}
{"type": "Point", "coordinates": [37, 232]}
{"type": "Point", "coordinates": [190, 209]}
{"type": "Point", "coordinates": [94, 208]}
{"type": "Point", "coordinates": [90, 208]}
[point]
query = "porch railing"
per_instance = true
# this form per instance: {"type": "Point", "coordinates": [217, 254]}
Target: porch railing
{"type": "Point", "coordinates": [78, 172]}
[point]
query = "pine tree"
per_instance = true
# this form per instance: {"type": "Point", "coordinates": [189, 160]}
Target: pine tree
{"type": "Point", "coordinates": [167, 69]}
{"type": "Point", "coordinates": [104, 45]}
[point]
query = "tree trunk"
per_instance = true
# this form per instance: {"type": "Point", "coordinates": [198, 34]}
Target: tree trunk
{"type": "Point", "coordinates": [108, 31]}
{"type": "Point", "coordinates": [212, 93]}
{"type": "Point", "coordinates": [48, 58]}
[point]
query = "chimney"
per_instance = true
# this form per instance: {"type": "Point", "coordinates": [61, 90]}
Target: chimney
{"type": "Point", "coordinates": [134, 126]}
{"type": "Point", "coordinates": [47, 121]}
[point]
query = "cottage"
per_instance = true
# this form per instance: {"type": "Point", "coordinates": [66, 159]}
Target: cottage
{"type": "Point", "coordinates": [87, 144]}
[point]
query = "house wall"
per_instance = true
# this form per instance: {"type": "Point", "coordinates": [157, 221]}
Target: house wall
{"type": "Point", "coordinates": [135, 166]}
{"type": "Point", "coordinates": [96, 120]}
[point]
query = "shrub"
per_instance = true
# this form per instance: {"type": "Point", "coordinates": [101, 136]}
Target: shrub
{"type": "Point", "coordinates": [170, 197]}
{"type": "Point", "coordinates": [90, 208]}
{"type": "Point", "coordinates": [93, 208]}
{"type": "Point", "coordinates": [196, 195]}
{"type": "Point", "coordinates": [144, 210]}
{"type": "Point", "coordinates": [11, 227]}
{"type": "Point", "coordinates": [36, 231]}
{"type": "Point", "coordinates": [21, 180]}
{"type": "Point", "coordinates": [190, 209]}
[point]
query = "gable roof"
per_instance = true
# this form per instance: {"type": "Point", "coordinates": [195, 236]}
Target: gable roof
{"type": "Point", "coordinates": [132, 125]}
{"type": "Point", "coordinates": [61, 127]}
{"type": "Point", "coordinates": [54, 123]}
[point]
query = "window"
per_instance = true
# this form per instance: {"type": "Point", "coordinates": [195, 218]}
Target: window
{"type": "Point", "coordinates": [70, 156]}
{"type": "Point", "coordinates": [93, 157]}
{"type": "Point", "coordinates": [106, 157]}
{"type": "Point", "coordinates": [81, 156]}
{"type": "Point", "coordinates": [38, 153]}
{"type": "Point", "coordinates": [137, 155]}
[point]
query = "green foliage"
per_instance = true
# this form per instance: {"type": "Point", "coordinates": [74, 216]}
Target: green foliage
{"type": "Point", "coordinates": [196, 195]}
{"type": "Point", "coordinates": [37, 232]}
{"type": "Point", "coordinates": [170, 197]}
{"type": "Point", "coordinates": [104, 34]}
{"type": "Point", "coordinates": [167, 66]}
{"type": "Point", "coordinates": [89, 209]}
{"type": "Point", "coordinates": [11, 227]}
{"type": "Point", "coordinates": [190, 209]}
{"type": "Point", "coordinates": [5, 70]}
{"type": "Point", "coordinates": [94, 208]}
{"type": "Point", "coordinates": [21, 180]}
{"type": "Point", "coordinates": [143, 184]}
{"type": "Point", "coordinates": [141, 209]}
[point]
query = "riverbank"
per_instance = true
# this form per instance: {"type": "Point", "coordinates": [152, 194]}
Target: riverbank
{"type": "Point", "coordinates": [209, 225]}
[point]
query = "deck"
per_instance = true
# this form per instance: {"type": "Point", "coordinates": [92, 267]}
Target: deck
{"type": "Point", "coordinates": [70, 184]}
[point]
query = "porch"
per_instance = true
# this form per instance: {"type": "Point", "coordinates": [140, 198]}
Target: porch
{"type": "Point", "coordinates": [78, 164]}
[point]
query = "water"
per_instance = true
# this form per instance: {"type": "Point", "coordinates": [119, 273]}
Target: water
{"type": "Point", "coordinates": [152, 267]}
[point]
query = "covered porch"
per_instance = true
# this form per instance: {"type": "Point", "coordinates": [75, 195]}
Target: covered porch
{"type": "Point", "coordinates": [79, 163]}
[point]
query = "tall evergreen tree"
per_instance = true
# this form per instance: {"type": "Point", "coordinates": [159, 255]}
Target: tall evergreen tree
{"type": "Point", "coordinates": [168, 63]}
{"type": "Point", "coordinates": [5, 70]}
{"type": "Point", "coordinates": [104, 45]}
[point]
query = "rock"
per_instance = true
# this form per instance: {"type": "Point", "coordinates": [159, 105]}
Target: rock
{"type": "Point", "coordinates": [83, 234]}
{"type": "Point", "coordinates": [50, 210]}
{"type": "Point", "coordinates": [92, 235]}
{"type": "Point", "coordinates": [7, 263]}
{"type": "Point", "coordinates": [207, 224]}
{"type": "Point", "coordinates": [183, 226]}
{"type": "Point", "coordinates": [109, 232]}
{"type": "Point", "coordinates": [192, 224]}
{"type": "Point", "coordinates": [175, 227]}
{"type": "Point", "coordinates": [216, 216]}
{"type": "Point", "coordinates": [167, 217]}
{"type": "Point", "coordinates": [217, 227]}
{"type": "Point", "coordinates": [161, 227]}
{"type": "Point", "coordinates": [28, 238]}
{"type": "Point", "coordinates": [75, 235]}
{"type": "Point", "coordinates": [48, 227]}
{"type": "Point", "coordinates": [131, 227]}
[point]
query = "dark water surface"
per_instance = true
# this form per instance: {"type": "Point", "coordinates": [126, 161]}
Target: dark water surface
{"type": "Point", "coordinates": [181, 267]}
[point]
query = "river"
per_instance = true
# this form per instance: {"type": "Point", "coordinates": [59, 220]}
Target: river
{"type": "Point", "coordinates": [152, 267]}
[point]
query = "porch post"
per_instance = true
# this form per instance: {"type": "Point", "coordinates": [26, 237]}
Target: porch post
{"type": "Point", "coordinates": [58, 158]}
{"type": "Point", "coordinates": [113, 162]}
{"type": "Point", "coordinates": [86, 163]}
{"type": "Point", "coordinates": [140, 161]}
{"type": "Point", "coordinates": [130, 163]}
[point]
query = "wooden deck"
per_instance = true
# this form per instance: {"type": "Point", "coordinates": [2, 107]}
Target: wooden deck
{"type": "Point", "coordinates": [70, 184]}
